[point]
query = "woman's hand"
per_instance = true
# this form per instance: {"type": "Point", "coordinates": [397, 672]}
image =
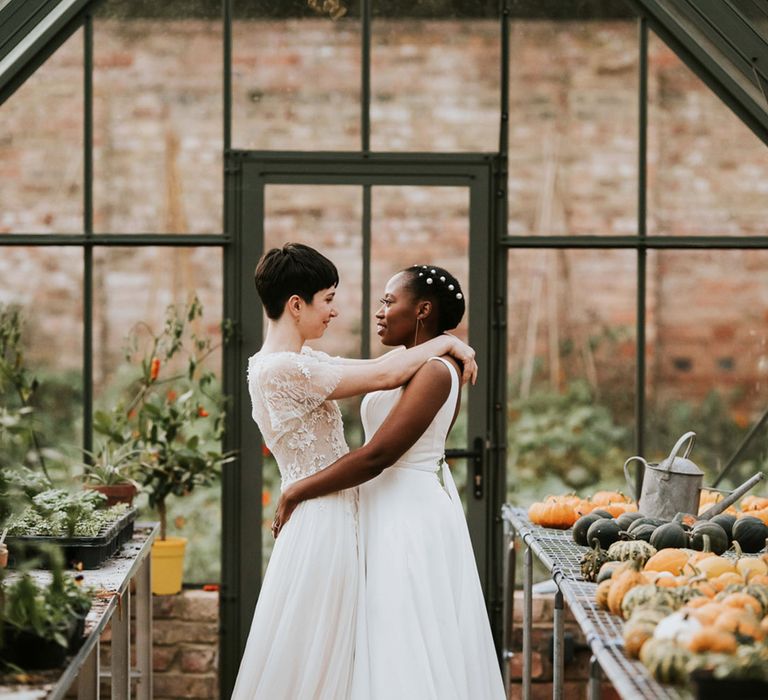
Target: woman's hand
{"type": "Point", "coordinates": [466, 355]}
{"type": "Point", "coordinates": [285, 507]}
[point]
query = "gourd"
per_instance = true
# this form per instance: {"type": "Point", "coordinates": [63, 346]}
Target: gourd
{"type": "Point", "coordinates": [626, 519]}
{"type": "Point", "coordinates": [669, 536]}
{"type": "Point", "coordinates": [608, 569]}
{"type": "Point", "coordinates": [714, 566]}
{"type": "Point", "coordinates": [592, 561]}
{"type": "Point", "coordinates": [753, 502]}
{"type": "Point", "coordinates": [726, 522]}
{"type": "Point", "coordinates": [624, 551]}
{"type": "Point", "coordinates": [741, 601]}
{"type": "Point", "coordinates": [671, 560]}
{"type": "Point", "coordinates": [635, 636]}
{"type": "Point", "coordinates": [601, 594]}
{"type": "Point", "coordinates": [646, 521]}
{"type": "Point", "coordinates": [643, 532]}
{"type": "Point", "coordinates": [708, 613]}
{"type": "Point", "coordinates": [603, 498]}
{"type": "Point", "coordinates": [712, 640]}
{"type": "Point", "coordinates": [602, 513]}
{"type": "Point", "coordinates": [750, 533]}
{"type": "Point", "coordinates": [724, 580]}
{"type": "Point", "coordinates": [665, 660]}
{"type": "Point", "coordinates": [621, 584]}
{"type": "Point", "coordinates": [605, 531]}
{"type": "Point", "coordinates": [718, 538]}
{"type": "Point", "coordinates": [760, 593]}
{"type": "Point", "coordinates": [739, 622]}
{"type": "Point", "coordinates": [677, 627]}
{"type": "Point", "coordinates": [647, 595]}
{"type": "Point", "coordinates": [581, 526]}
{"type": "Point", "coordinates": [552, 513]}
{"type": "Point", "coordinates": [619, 509]}
{"type": "Point", "coordinates": [749, 567]}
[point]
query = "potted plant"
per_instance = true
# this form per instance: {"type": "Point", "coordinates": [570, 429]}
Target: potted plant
{"type": "Point", "coordinates": [108, 472]}
{"type": "Point", "coordinates": [173, 415]}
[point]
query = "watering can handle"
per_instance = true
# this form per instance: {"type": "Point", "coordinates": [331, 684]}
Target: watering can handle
{"type": "Point", "coordinates": [688, 436]}
{"type": "Point", "coordinates": [632, 487]}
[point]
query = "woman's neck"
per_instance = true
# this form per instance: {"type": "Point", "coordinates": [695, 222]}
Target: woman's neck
{"type": "Point", "coordinates": [282, 335]}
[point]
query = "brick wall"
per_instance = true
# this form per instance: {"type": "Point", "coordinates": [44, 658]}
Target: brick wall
{"type": "Point", "coordinates": [186, 646]}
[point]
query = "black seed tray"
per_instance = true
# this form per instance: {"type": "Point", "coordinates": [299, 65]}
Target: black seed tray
{"type": "Point", "coordinates": [90, 552]}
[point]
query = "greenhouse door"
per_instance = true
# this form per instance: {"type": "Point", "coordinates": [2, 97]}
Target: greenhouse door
{"type": "Point", "coordinates": [372, 214]}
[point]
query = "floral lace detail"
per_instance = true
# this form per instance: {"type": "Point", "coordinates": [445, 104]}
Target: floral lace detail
{"type": "Point", "coordinates": [289, 394]}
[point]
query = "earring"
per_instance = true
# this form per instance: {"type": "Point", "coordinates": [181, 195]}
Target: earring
{"type": "Point", "coordinates": [419, 323]}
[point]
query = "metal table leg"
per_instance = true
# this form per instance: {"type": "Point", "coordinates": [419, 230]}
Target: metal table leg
{"type": "Point", "coordinates": [593, 688]}
{"type": "Point", "coordinates": [144, 630]}
{"type": "Point", "coordinates": [557, 655]}
{"type": "Point", "coordinates": [508, 602]}
{"type": "Point", "coordinates": [121, 649]}
{"type": "Point", "coordinates": [88, 679]}
{"type": "Point", "coordinates": [527, 622]}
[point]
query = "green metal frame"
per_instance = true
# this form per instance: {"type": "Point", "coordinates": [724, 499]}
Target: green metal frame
{"type": "Point", "coordinates": [731, 72]}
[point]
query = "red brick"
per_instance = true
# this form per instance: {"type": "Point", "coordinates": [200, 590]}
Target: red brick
{"type": "Point", "coordinates": [198, 659]}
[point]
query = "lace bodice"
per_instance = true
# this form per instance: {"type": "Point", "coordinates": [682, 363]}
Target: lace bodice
{"type": "Point", "coordinates": [289, 395]}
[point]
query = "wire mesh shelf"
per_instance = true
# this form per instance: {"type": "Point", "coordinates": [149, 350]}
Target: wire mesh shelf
{"type": "Point", "coordinates": [602, 630]}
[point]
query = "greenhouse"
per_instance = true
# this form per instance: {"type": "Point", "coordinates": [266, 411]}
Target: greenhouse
{"type": "Point", "coordinates": [591, 179]}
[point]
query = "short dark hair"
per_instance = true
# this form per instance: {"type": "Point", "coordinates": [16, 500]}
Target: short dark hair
{"type": "Point", "coordinates": [293, 269]}
{"type": "Point", "coordinates": [442, 289]}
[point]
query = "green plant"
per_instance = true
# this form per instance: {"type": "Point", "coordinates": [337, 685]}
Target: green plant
{"type": "Point", "coordinates": [174, 411]}
{"type": "Point", "coordinates": [111, 465]}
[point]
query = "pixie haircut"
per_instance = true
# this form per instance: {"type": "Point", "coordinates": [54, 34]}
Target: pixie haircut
{"type": "Point", "coordinates": [292, 269]}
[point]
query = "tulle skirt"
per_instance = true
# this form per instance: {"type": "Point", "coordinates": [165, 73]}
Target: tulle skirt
{"type": "Point", "coordinates": [423, 630]}
{"type": "Point", "coordinates": [302, 639]}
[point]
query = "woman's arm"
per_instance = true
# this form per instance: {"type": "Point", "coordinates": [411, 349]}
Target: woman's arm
{"type": "Point", "coordinates": [406, 423]}
{"type": "Point", "coordinates": [396, 368]}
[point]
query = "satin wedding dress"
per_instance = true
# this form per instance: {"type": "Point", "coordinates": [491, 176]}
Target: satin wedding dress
{"type": "Point", "coordinates": [423, 630]}
{"type": "Point", "coordinates": [301, 643]}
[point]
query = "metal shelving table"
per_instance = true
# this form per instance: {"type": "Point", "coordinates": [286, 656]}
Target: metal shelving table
{"type": "Point", "coordinates": [132, 563]}
{"type": "Point", "coordinates": [557, 551]}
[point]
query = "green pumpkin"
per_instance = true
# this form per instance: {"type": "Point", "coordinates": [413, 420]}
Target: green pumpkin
{"type": "Point", "coordinates": [605, 531]}
{"type": "Point", "coordinates": [669, 536]}
{"type": "Point", "coordinates": [718, 538]}
{"type": "Point", "coordinates": [759, 591]}
{"type": "Point", "coordinates": [666, 661]}
{"type": "Point", "coordinates": [581, 526]}
{"type": "Point", "coordinates": [624, 551]}
{"type": "Point", "coordinates": [647, 596]}
{"type": "Point", "coordinates": [750, 533]}
{"type": "Point", "coordinates": [646, 521]}
{"type": "Point", "coordinates": [601, 513]}
{"type": "Point", "coordinates": [725, 521]}
{"type": "Point", "coordinates": [626, 519]}
{"type": "Point", "coordinates": [606, 571]}
{"type": "Point", "coordinates": [643, 532]}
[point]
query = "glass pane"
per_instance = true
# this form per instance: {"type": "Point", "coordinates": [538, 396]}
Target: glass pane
{"type": "Point", "coordinates": [571, 368]}
{"type": "Point", "coordinates": [158, 138]}
{"type": "Point", "coordinates": [52, 352]}
{"type": "Point", "coordinates": [132, 289]}
{"type": "Point", "coordinates": [435, 78]}
{"type": "Point", "coordinates": [708, 355]}
{"type": "Point", "coordinates": [708, 171]}
{"type": "Point", "coordinates": [41, 147]}
{"type": "Point", "coordinates": [573, 128]}
{"type": "Point", "coordinates": [406, 222]}
{"type": "Point", "coordinates": [295, 78]}
{"type": "Point", "coordinates": [328, 219]}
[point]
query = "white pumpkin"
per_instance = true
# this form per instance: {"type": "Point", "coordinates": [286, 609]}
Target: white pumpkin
{"type": "Point", "coordinates": [678, 627]}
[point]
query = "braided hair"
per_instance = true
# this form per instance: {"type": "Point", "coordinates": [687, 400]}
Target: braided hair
{"type": "Point", "coordinates": [441, 288]}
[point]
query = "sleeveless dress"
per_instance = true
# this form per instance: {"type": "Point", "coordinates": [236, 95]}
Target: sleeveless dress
{"type": "Point", "coordinates": [423, 630]}
{"type": "Point", "coordinates": [302, 637]}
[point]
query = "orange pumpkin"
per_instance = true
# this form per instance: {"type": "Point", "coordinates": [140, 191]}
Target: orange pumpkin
{"type": "Point", "coordinates": [743, 601]}
{"type": "Point", "coordinates": [712, 640]}
{"type": "Point", "coordinates": [751, 502]}
{"type": "Point", "coordinates": [761, 514]}
{"type": "Point", "coordinates": [672, 560]}
{"type": "Point", "coordinates": [729, 578]}
{"type": "Point", "coordinates": [714, 566]}
{"type": "Point", "coordinates": [626, 580]}
{"type": "Point", "coordinates": [552, 513]}
{"type": "Point", "coordinates": [739, 622]}
{"type": "Point", "coordinates": [707, 613]}
{"type": "Point", "coordinates": [601, 594]}
{"type": "Point", "coordinates": [603, 498]}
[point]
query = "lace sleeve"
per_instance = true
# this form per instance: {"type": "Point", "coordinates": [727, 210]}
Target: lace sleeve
{"type": "Point", "coordinates": [296, 384]}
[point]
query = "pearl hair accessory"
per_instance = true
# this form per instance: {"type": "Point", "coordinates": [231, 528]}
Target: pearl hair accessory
{"type": "Point", "coordinates": [458, 296]}
{"type": "Point", "coordinates": [450, 287]}
{"type": "Point", "coordinates": [429, 280]}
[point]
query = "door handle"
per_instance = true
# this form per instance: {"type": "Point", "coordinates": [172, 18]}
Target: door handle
{"type": "Point", "coordinates": [475, 458]}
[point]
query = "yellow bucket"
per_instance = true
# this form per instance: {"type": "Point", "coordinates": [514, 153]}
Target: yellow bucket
{"type": "Point", "coordinates": [168, 565]}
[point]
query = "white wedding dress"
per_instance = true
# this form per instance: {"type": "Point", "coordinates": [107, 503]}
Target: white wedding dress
{"type": "Point", "coordinates": [423, 630]}
{"type": "Point", "coordinates": [302, 638]}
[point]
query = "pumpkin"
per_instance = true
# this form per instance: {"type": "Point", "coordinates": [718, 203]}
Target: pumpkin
{"type": "Point", "coordinates": [764, 625]}
{"type": "Point", "coordinates": [703, 586]}
{"type": "Point", "coordinates": [605, 531]}
{"type": "Point", "coordinates": [592, 561]}
{"type": "Point", "coordinates": [707, 613]}
{"type": "Point", "coordinates": [729, 578]}
{"type": "Point", "coordinates": [607, 570]}
{"type": "Point", "coordinates": [753, 502]}
{"type": "Point", "coordinates": [601, 594]}
{"type": "Point", "coordinates": [672, 560]}
{"type": "Point", "coordinates": [715, 566]}
{"type": "Point", "coordinates": [627, 518]}
{"type": "Point", "coordinates": [602, 513]}
{"type": "Point", "coordinates": [750, 533]}
{"type": "Point", "coordinates": [749, 567]}
{"type": "Point", "coordinates": [712, 640]}
{"type": "Point", "coordinates": [643, 532]}
{"type": "Point", "coordinates": [685, 520]}
{"type": "Point", "coordinates": [698, 602]}
{"type": "Point", "coordinates": [669, 536]}
{"type": "Point", "coordinates": [677, 627]}
{"type": "Point", "coordinates": [621, 584]}
{"type": "Point", "coordinates": [623, 551]}
{"type": "Point", "coordinates": [665, 660]}
{"type": "Point", "coordinates": [741, 601]}
{"type": "Point", "coordinates": [581, 526]}
{"type": "Point", "coordinates": [647, 595]}
{"type": "Point", "coordinates": [617, 509]}
{"type": "Point", "coordinates": [603, 498]}
{"type": "Point", "coordinates": [739, 622]}
{"type": "Point", "coordinates": [646, 521]}
{"type": "Point", "coordinates": [584, 507]}
{"type": "Point", "coordinates": [706, 536]}
{"type": "Point", "coordinates": [635, 636]}
{"type": "Point", "coordinates": [552, 513]}
{"type": "Point", "coordinates": [726, 522]}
